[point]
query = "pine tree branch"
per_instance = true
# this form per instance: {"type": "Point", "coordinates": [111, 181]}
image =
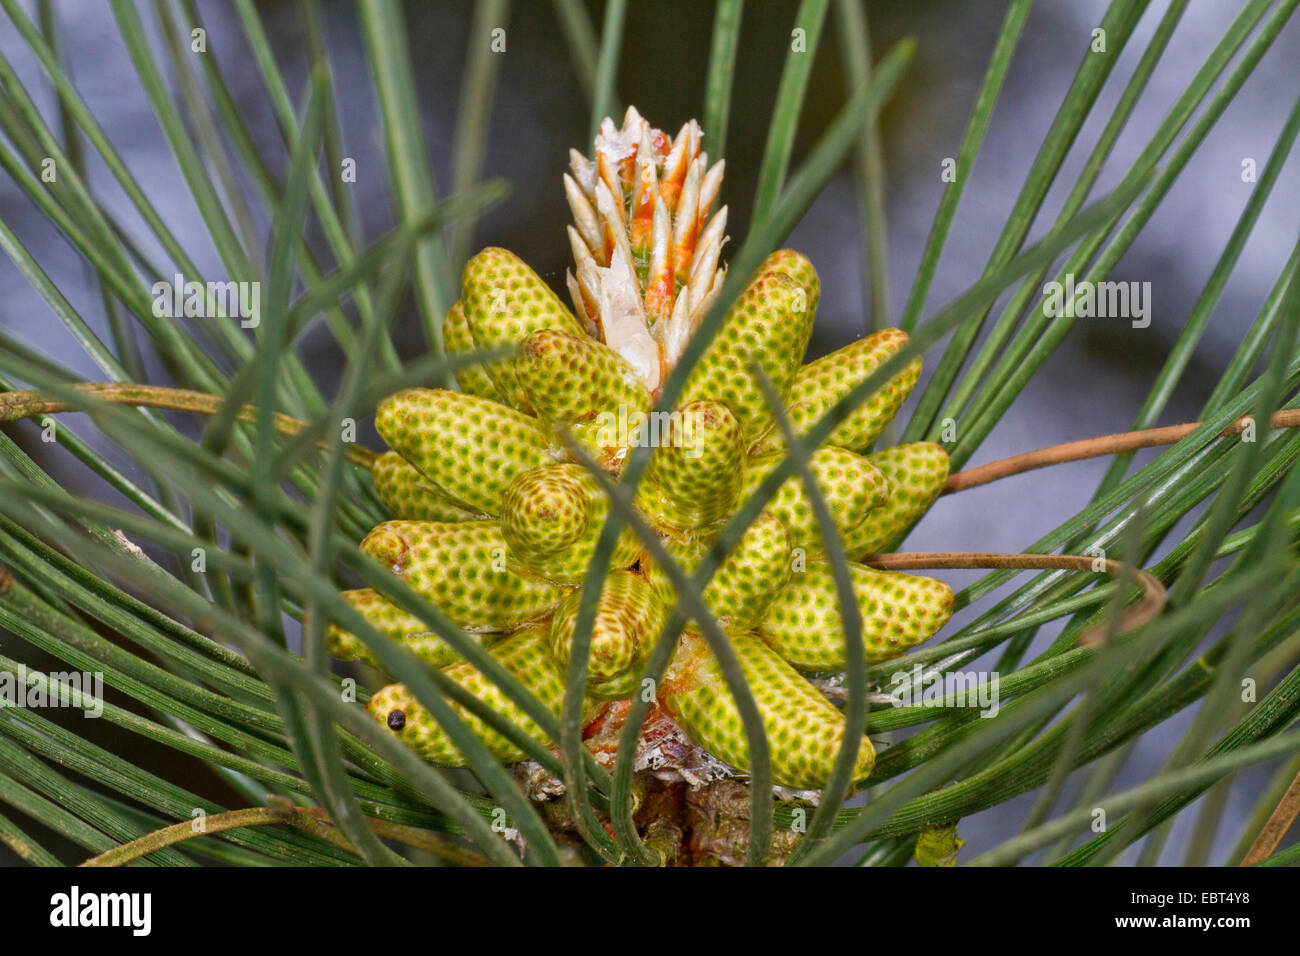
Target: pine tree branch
{"type": "Point", "coordinates": [1096, 447]}
{"type": "Point", "coordinates": [29, 404]}
{"type": "Point", "coordinates": [311, 820]}
{"type": "Point", "coordinates": [1153, 592]}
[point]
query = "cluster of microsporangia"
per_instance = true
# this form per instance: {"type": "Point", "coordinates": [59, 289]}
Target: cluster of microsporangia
{"type": "Point", "coordinates": [496, 524]}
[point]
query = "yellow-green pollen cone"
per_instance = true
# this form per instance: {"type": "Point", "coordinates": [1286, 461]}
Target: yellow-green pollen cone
{"type": "Point", "coordinates": [629, 616]}
{"type": "Point", "coordinates": [497, 520]}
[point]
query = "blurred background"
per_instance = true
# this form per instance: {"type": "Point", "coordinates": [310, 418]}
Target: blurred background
{"type": "Point", "coordinates": [1093, 384]}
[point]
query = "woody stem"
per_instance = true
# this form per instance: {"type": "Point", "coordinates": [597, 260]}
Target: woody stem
{"type": "Point", "coordinates": [310, 820]}
{"type": "Point", "coordinates": [27, 404]}
{"type": "Point", "coordinates": [1096, 447]}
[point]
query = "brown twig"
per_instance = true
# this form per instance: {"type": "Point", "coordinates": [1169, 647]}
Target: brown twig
{"type": "Point", "coordinates": [1096, 447]}
{"type": "Point", "coordinates": [16, 405]}
{"type": "Point", "coordinates": [1153, 592]}
{"type": "Point", "coordinates": [310, 820]}
{"type": "Point", "coordinates": [1275, 829]}
{"type": "Point", "coordinates": [178, 832]}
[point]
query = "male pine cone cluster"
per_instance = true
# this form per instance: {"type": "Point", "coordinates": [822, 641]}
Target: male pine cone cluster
{"type": "Point", "coordinates": [496, 524]}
